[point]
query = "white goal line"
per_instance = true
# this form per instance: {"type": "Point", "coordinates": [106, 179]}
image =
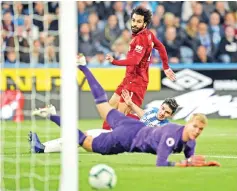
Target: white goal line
{"type": "Point", "coordinates": [127, 154]}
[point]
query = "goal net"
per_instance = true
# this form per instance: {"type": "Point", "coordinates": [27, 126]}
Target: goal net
{"type": "Point", "coordinates": [35, 71]}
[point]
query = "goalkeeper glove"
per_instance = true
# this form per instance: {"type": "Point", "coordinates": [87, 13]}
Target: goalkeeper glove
{"type": "Point", "coordinates": [196, 161]}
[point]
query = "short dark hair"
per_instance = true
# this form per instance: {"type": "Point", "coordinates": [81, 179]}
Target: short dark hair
{"type": "Point", "coordinates": [144, 12]}
{"type": "Point", "coordinates": [172, 103]}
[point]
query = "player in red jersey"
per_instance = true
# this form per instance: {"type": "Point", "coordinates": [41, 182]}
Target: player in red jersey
{"type": "Point", "coordinates": [137, 62]}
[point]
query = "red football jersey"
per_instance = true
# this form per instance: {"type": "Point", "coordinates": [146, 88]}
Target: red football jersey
{"type": "Point", "coordinates": [138, 57]}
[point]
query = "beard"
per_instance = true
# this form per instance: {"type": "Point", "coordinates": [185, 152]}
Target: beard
{"type": "Point", "coordinates": [136, 29]}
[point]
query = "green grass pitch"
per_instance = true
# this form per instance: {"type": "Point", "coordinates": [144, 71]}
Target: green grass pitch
{"type": "Point", "coordinates": [136, 172]}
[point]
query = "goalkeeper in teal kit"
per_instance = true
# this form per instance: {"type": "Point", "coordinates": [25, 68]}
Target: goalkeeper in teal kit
{"type": "Point", "coordinates": [130, 135]}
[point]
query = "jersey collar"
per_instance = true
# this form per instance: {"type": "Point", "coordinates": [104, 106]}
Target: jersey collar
{"type": "Point", "coordinates": [142, 31]}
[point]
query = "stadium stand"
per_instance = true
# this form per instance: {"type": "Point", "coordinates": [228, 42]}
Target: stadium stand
{"type": "Point", "coordinates": [195, 32]}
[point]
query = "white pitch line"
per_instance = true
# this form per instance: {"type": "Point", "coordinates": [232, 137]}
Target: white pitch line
{"type": "Point", "coordinates": [221, 156]}
{"type": "Point", "coordinates": [46, 136]}
{"type": "Point", "coordinates": [127, 154]}
{"type": "Point", "coordinates": [130, 154]}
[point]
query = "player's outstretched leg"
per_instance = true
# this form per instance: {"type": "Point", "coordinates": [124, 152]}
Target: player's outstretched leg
{"type": "Point", "coordinates": [98, 92]}
{"type": "Point", "coordinates": [56, 119]}
{"type": "Point", "coordinates": [82, 137]}
{"type": "Point", "coordinates": [49, 111]}
{"type": "Point", "coordinates": [51, 146]}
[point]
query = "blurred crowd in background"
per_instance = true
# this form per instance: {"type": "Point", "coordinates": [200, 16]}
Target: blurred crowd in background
{"type": "Point", "coordinates": [29, 32]}
{"type": "Point", "coordinates": [192, 32]}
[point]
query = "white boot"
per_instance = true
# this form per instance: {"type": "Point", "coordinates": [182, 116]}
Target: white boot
{"type": "Point", "coordinates": [44, 112]}
{"type": "Point", "coordinates": [81, 60]}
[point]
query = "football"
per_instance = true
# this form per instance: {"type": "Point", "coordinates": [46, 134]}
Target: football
{"type": "Point", "coordinates": [102, 176]}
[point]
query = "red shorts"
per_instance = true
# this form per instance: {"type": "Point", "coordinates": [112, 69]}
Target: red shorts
{"type": "Point", "coordinates": [138, 90]}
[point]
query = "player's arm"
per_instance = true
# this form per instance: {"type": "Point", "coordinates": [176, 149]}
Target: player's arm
{"type": "Point", "coordinates": [162, 51]}
{"type": "Point", "coordinates": [128, 100]}
{"type": "Point", "coordinates": [190, 158]}
{"type": "Point", "coordinates": [134, 59]}
{"type": "Point", "coordinates": [131, 61]}
{"type": "Point", "coordinates": [164, 149]}
{"type": "Point", "coordinates": [164, 57]}
{"type": "Point", "coordinates": [189, 150]}
{"type": "Point", "coordinates": [195, 160]}
{"type": "Point", "coordinates": [140, 112]}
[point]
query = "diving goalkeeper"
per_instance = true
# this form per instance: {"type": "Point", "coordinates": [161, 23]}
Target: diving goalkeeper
{"type": "Point", "coordinates": [131, 135]}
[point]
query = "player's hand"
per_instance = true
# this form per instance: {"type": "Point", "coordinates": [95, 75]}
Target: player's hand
{"type": "Point", "coordinates": [195, 161]}
{"type": "Point", "coordinates": [199, 160]}
{"type": "Point", "coordinates": [170, 74]}
{"type": "Point", "coordinates": [109, 58]}
{"type": "Point", "coordinates": [127, 97]}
